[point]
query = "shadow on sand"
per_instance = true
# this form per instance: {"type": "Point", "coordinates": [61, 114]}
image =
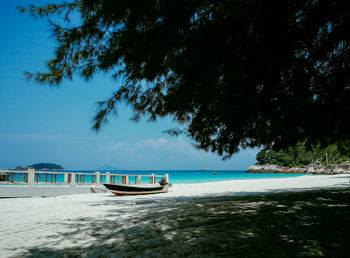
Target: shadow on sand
{"type": "Point", "coordinates": [309, 223]}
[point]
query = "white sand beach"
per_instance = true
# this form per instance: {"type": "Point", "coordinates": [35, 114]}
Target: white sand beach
{"type": "Point", "coordinates": [101, 224]}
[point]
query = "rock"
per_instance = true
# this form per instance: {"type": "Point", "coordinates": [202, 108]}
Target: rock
{"type": "Point", "coordinates": [267, 168]}
{"type": "Point", "coordinates": [344, 165]}
{"type": "Point", "coordinates": [110, 243]}
{"type": "Point", "coordinates": [315, 168]}
{"type": "Point", "coordinates": [338, 171]}
{"type": "Point", "coordinates": [256, 168]}
{"type": "Point", "coordinates": [311, 170]}
{"type": "Point", "coordinates": [273, 168]}
{"type": "Point", "coordinates": [298, 170]}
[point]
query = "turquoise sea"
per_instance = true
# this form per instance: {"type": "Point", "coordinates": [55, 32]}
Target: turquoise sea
{"type": "Point", "coordinates": [202, 176]}
{"type": "Point", "coordinates": [175, 176]}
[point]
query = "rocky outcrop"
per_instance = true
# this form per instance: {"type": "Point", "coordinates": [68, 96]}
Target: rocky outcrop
{"type": "Point", "coordinates": [342, 168]}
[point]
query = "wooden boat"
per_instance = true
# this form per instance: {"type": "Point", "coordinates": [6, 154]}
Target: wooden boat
{"type": "Point", "coordinates": [122, 189]}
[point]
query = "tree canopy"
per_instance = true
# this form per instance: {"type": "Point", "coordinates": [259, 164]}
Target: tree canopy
{"type": "Point", "coordinates": [48, 166]}
{"type": "Point", "coordinates": [301, 155]}
{"type": "Point", "coordinates": [39, 166]}
{"type": "Point", "coordinates": [231, 72]}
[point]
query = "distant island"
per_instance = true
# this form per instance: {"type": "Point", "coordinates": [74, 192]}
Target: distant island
{"type": "Point", "coordinates": [39, 166]}
{"type": "Point", "coordinates": [332, 159]}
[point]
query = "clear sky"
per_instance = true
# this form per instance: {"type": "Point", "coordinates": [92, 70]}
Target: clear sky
{"type": "Point", "coordinates": [43, 124]}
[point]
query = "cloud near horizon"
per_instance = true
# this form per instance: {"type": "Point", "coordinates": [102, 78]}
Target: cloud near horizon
{"type": "Point", "coordinates": [178, 146]}
{"type": "Point", "coordinates": [86, 152]}
{"type": "Point", "coordinates": [175, 153]}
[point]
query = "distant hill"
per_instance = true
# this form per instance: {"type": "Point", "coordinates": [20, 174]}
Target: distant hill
{"type": "Point", "coordinates": [46, 166]}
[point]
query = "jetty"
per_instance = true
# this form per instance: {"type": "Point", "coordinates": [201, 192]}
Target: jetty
{"type": "Point", "coordinates": [32, 183]}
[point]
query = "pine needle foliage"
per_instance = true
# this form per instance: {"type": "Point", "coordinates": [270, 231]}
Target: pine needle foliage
{"type": "Point", "coordinates": [232, 73]}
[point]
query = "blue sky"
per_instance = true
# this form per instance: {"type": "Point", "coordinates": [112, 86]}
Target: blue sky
{"type": "Point", "coordinates": [43, 124]}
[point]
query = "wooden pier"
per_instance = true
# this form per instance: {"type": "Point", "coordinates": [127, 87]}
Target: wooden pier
{"type": "Point", "coordinates": [31, 178]}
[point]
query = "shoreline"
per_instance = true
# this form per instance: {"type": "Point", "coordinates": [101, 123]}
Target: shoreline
{"type": "Point", "coordinates": [246, 186]}
{"type": "Point", "coordinates": [291, 172]}
{"type": "Point", "coordinates": [102, 224]}
{"type": "Point", "coordinates": [314, 169]}
{"type": "Point", "coordinates": [233, 186]}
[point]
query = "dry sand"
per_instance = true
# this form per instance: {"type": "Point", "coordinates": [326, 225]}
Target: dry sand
{"type": "Point", "coordinates": [102, 224]}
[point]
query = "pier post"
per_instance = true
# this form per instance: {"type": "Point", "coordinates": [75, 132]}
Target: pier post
{"type": "Point", "coordinates": [98, 178]}
{"type": "Point", "coordinates": [167, 178]}
{"type": "Point", "coordinates": [139, 179]}
{"type": "Point", "coordinates": [65, 178]}
{"type": "Point", "coordinates": [108, 177]}
{"type": "Point", "coordinates": [31, 175]}
{"type": "Point", "coordinates": [72, 182]}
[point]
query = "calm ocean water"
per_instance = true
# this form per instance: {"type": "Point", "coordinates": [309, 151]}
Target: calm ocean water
{"type": "Point", "coordinates": [201, 176]}
{"type": "Point", "coordinates": [175, 176]}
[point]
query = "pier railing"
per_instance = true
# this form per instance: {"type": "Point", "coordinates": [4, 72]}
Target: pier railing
{"type": "Point", "coordinates": [32, 178]}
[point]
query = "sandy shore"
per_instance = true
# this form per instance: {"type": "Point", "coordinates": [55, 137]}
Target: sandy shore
{"type": "Point", "coordinates": [260, 185]}
{"type": "Point", "coordinates": [101, 223]}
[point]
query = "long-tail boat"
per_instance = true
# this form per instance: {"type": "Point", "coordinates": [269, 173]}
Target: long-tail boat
{"type": "Point", "coordinates": [123, 189]}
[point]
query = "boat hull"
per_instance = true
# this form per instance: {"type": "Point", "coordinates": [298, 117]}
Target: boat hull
{"type": "Point", "coordinates": [120, 189]}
